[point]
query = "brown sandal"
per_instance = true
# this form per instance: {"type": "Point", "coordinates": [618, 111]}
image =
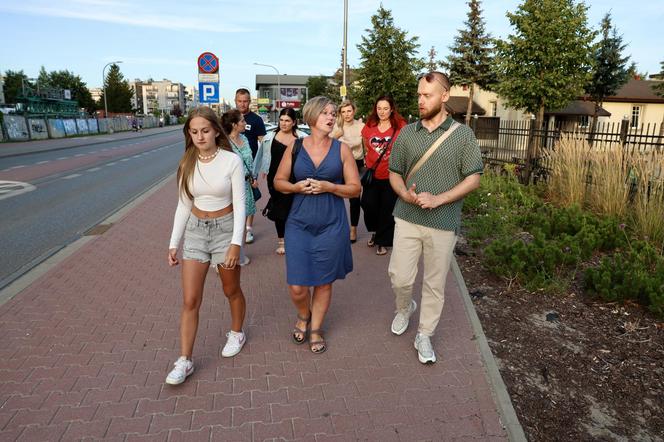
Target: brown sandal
{"type": "Point", "coordinates": [299, 330]}
{"type": "Point", "coordinates": [318, 342]}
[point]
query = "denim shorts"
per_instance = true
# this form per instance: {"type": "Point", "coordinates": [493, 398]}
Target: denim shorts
{"type": "Point", "coordinates": [208, 239]}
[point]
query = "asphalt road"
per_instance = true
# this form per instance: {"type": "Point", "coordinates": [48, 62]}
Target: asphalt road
{"type": "Point", "coordinates": [51, 198]}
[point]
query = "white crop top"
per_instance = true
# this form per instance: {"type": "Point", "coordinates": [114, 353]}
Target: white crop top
{"type": "Point", "coordinates": [214, 185]}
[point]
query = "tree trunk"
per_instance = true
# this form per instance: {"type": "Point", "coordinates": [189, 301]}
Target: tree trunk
{"type": "Point", "coordinates": [469, 108]}
{"type": "Point", "coordinates": [534, 141]}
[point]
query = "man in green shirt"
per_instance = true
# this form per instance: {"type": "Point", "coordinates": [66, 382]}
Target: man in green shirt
{"type": "Point", "coordinates": [428, 212]}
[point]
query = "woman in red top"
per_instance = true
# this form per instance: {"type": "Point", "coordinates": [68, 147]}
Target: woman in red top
{"type": "Point", "coordinates": [378, 199]}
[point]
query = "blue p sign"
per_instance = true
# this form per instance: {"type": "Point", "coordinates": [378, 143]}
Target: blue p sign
{"type": "Point", "coordinates": [208, 93]}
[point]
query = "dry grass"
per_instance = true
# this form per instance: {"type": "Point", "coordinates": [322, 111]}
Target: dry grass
{"type": "Point", "coordinates": [569, 170]}
{"type": "Point", "coordinates": [610, 169]}
{"type": "Point", "coordinates": [648, 208]}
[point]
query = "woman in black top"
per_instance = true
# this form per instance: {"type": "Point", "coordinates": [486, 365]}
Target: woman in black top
{"type": "Point", "coordinates": [269, 156]}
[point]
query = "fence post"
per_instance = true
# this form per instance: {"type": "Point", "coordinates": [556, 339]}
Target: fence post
{"type": "Point", "coordinates": [624, 130]}
{"type": "Point", "coordinates": [473, 124]}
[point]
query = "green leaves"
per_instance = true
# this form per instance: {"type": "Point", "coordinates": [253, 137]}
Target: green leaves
{"type": "Point", "coordinates": [547, 61]}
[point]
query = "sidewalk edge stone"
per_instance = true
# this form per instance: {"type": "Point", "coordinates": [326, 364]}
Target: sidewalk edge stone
{"type": "Point", "coordinates": [52, 261]}
{"type": "Point", "coordinates": [503, 401]}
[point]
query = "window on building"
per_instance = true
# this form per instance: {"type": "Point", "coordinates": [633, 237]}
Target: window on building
{"type": "Point", "coordinates": [636, 116]}
{"type": "Point", "coordinates": [583, 121]}
{"type": "Point", "coordinates": [494, 108]}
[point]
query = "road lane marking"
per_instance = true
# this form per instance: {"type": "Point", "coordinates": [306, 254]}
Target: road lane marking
{"type": "Point", "coordinates": [79, 154]}
{"type": "Point", "coordinates": [73, 175]}
{"type": "Point", "coordinates": [125, 159]}
{"type": "Point", "coordinates": [63, 158]}
{"type": "Point", "coordinates": [94, 169]}
{"type": "Point", "coordinates": [16, 167]}
{"type": "Point", "coordinates": [112, 164]}
{"type": "Point", "coordinates": [43, 162]}
{"type": "Point", "coordinates": [9, 189]}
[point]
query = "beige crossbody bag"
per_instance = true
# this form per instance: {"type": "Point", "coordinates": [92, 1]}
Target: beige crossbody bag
{"type": "Point", "coordinates": [431, 150]}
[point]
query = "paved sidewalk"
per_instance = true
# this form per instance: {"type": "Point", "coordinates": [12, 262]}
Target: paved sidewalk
{"type": "Point", "coordinates": [15, 148]}
{"type": "Point", "coordinates": [87, 346]}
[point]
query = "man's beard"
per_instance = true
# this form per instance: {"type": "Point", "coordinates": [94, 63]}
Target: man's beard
{"type": "Point", "coordinates": [432, 113]}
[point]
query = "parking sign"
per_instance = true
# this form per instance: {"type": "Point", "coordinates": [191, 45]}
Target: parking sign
{"type": "Point", "coordinates": [208, 93]}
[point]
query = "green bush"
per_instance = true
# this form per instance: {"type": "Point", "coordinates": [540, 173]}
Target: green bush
{"type": "Point", "coordinates": [634, 273]}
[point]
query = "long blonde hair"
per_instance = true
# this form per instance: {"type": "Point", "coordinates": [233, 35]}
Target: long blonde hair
{"type": "Point", "coordinates": [189, 159]}
{"type": "Point", "coordinates": [340, 120]}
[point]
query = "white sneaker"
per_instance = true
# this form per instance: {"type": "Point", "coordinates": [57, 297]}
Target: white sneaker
{"type": "Point", "coordinates": [425, 352]}
{"type": "Point", "coordinates": [245, 262]}
{"type": "Point", "coordinates": [401, 319]}
{"type": "Point", "coordinates": [183, 368]}
{"type": "Point", "coordinates": [234, 344]}
{"type": "Point", "coordinates": [250, 236]}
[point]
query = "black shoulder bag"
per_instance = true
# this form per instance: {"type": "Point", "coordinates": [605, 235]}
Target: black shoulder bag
{"type": "Point", "coordinates": [279, 206]}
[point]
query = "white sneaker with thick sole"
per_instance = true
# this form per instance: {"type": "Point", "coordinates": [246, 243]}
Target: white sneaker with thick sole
{"type": "Point", "coordinates": [250, 236]}
{"type": "Point", "coordinates": [183, 368]}
{"type": "Point", "coordinates": [234, 344]}
{"type": "Point", "coordinates": [425, 352]}
{"type": "Point", "coordinates": [401, 319]}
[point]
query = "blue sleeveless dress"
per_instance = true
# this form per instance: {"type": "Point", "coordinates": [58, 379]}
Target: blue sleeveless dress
{"type": "Point", "coordinates": [317, 232]}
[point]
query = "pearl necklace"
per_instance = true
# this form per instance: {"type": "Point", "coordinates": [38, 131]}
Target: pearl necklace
{"type": "Point", "coordinates": [209, 157]}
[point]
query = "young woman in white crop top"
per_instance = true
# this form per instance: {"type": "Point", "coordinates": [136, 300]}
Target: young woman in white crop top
{"type": "Point", "coordinates": [210, 214]}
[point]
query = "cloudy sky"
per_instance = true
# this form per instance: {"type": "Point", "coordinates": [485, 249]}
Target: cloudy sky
{"type": "Point", "coordinates": [162, 39]}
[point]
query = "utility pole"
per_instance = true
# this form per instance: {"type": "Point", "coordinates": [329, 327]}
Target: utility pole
{"type": "Point", "coordinates": [345, 51]}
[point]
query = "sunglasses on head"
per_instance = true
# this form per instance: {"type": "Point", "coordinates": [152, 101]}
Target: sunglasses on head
{"type": "Point", "coordinates": [431, 76]}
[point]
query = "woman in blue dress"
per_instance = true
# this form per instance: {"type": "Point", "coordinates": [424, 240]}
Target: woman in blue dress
{"type": "Point", "coordinates": [317, 231]}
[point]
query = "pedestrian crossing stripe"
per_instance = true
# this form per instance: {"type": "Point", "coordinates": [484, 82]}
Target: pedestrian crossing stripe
{"type": "Point", "coordinates": [9, 189]}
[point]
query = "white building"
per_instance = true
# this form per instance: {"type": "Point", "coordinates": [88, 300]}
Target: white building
{"type": "Point", "coordinates": [163, 95]}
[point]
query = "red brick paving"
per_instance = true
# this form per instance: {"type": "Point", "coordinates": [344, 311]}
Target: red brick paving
{"type": "Point", "coordinates": [86, 349]}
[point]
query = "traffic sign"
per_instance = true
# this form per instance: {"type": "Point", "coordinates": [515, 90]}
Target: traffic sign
{"type": "Point", "coordinates": [208, 63]}
{"type": "Point", "coordinates": [208, 93]}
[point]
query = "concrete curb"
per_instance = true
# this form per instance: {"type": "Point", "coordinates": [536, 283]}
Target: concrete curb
{"type": "Point", "coordinates": [63, 253]}
{"type": "Point", "coordinates": [14, 153]}
{"type": "Point", "coordinates": [503, 401]}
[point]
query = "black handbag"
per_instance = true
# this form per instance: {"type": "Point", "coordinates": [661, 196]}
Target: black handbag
{"type": "Point", "coordinates": [279, 205]}
{"type": "Point", "coordinates": [257, 193]}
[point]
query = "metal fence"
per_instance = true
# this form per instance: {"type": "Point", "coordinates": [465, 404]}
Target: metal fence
{"type": "Point", "coordinates": [521, 142]}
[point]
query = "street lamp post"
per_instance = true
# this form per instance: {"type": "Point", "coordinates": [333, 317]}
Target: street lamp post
{"type": "Point", "coordinates": [278, 83]}
{"type": "Point", "coordinates": [345, 51]}
{"type": "Point", "coordinates": [103, 79]}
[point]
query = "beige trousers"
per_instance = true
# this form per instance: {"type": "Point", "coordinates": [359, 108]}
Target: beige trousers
{"type": "Point", "coordinates": [436, 246]}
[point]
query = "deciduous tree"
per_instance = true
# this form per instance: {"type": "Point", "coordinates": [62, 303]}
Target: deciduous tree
{"type": "Point", "coordinates": [13, 82]}
{"type": "Point", "coordinates": [546, 62]}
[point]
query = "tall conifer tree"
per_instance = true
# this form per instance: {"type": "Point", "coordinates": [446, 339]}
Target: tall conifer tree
{"type": "Point", "coordinates": [610, 70]}
{"type": "Point", "coordinates": [470, 60]}
{"type": "Point", "coordinates": [388, 65]}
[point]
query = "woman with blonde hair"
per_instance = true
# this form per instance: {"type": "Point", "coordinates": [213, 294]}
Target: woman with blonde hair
{"type": "Point", "coordinates": [211, 215]}
{"type": "Point", "coordinates": [349, 130]}
{"type": "Point", "coordinates": [323, 174]}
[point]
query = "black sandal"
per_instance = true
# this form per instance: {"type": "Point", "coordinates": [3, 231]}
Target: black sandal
{"type": "Point", "coordinates": [299, 330]}
{"type": "Point", "coordinates": [319, 342]}
{"type": "Point", "coordinates": [372, 240]}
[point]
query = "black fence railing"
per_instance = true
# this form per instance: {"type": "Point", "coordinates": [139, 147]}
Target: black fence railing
{"type": "Point", "coordinates": [523, 143]}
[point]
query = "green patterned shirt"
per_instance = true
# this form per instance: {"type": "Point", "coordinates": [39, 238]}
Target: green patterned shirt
{"type": "Point", "coordinates": [457, 158]}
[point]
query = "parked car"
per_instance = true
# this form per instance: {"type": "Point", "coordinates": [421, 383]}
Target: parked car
{"type": "Point", "coordinates": [270, 126]}
{"type": "Point", "coordinates": [304, 127]}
